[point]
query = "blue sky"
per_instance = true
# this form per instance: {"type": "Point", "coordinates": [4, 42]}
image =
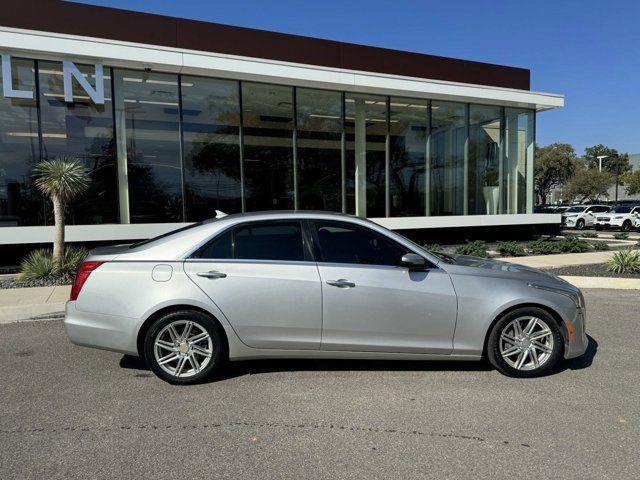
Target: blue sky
{"type": "Point", "coordinates": [588, 50]}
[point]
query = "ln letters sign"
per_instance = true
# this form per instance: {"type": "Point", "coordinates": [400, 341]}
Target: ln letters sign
{"type": "Point", "coordinates": [69, 72]}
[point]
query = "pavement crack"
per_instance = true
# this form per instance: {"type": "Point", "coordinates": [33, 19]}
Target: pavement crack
{"type": "Point", "coordinates": [267, 425]}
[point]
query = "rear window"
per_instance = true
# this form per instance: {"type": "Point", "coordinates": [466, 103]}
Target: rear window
{"type": "Point", "coordinates": [164, 235]}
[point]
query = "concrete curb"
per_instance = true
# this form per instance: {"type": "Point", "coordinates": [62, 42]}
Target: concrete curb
{"type": "Point", "coordinates": [603, 282]}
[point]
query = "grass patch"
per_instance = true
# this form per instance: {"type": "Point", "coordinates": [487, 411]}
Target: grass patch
{"type": "Point", "coordinates": [511, 249]}
{"type": "Point", "coordinates": [621, 235]}
{"type": "Point", "coordinates": [433, 247]}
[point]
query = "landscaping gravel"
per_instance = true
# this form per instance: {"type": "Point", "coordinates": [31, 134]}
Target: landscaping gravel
{"type": "Point", "coordinates": [54, 282]}
{"type": "Point", "coordinates": [593, 270]}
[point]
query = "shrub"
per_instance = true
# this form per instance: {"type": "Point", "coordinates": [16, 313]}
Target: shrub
{"type": "Point", "coordinates": [510, 249]}
{"type": "Point", "coordinates": [546, 246]}
{"type": "Point", "coordinates": [573, 245]}
{"type": "Point", "coordinates": [588, 235]}
{"type": "Point", "coordinates": [599, 246]}
{"type": "Point", "coordinates": [625, 261]}
{"type": "Point", "coordinates": [475, 249]}
{"type": "Point", "coordinates": [621, 235]}
{"type": "Point", "coordinates": [433, 247]}
{"type": "Point", "coordinates": [39, 264]}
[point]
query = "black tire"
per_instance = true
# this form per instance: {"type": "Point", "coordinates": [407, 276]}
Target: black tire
{"type": "Point", "coordinates": [580, 224]}
{"type": "Point", "coordinates": [202, 321]}
{"type": "Point", "coordinates": [626, 226]}
{"type": "Point", "coordinates": [493, 347]}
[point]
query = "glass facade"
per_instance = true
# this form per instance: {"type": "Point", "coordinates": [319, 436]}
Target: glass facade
{"type": "Point", "coordinates": [172, 148]}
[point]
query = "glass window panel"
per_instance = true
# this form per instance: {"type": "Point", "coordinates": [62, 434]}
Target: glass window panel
{"type": "Point", "coordinates": [518, 161]}
{"type": "Point", "coordinates": [409, 120]}
{"type": "Point", "coordinates": [220, 248]}
{"type": "Point", "coordinates": [272, 241]}
{"type": "Point", "coordinates": [267, 113]}
{"type": "Point", "coordinates": [366, 131]}
{"type": "Point", "coordinates": [319, 117]}
{"type": "Point", "coordinates": [448, 135]}
{"type": "Point", "coordinates": [84, 131]}
{"type": "Point", "coordinates": [211, 126]}
{"type": "Point", "coordinates": [484, 159]}
{"type": "Point", "coordinates": [20, 201]}
{"type": "Point", "coordinates": [150, 105]}
{"type": "Point", "coordinates": [344, 243]}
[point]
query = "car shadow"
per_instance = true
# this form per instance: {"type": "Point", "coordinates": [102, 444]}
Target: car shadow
{"type": "Point", "coordinates": [583, 361]}
{"type": "Point", "coordinates": [256, 367]}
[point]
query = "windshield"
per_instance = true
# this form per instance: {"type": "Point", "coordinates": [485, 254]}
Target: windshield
{"type": "Point", "coordinates": [575, 209]}
{"type": "Point", "coordinates": [620, 209]}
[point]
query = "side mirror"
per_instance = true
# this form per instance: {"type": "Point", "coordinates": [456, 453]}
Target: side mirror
{"type": "Point", "coordinates": [413, 261]}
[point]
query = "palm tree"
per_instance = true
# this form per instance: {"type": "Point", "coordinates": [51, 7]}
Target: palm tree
{"type": "Point", "coordinates": [62, 179]}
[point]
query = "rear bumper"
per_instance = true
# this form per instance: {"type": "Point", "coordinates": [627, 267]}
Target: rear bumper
{"type": "Point", "coordinates": [106, 332]}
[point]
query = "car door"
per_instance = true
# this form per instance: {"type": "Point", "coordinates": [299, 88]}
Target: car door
{"type": "Point", "coordinates": [370, 303]}
{"type": "Point", "coordinates": [589, 216]}
{"type": "Point", "coordinates": [262, 277]}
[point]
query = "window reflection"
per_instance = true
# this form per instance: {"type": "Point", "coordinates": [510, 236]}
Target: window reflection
{"type": "Point", "coordinates": [149, 105]}
{"type": "Point", "coordinates": [484, 160]}
{"type": "Point", "coordinates": [319, 152]}
{"type": "Point", "coordinates": [84, 131]}
{"type": "Point", "coordinates": [518, 161]}
{"type": "Point", "coordinates": [211, 126]}
{"type": "Point", "coordinates": [448, 135]}
{"type": "Point", "coordinates": [267, 112]}
{"type": "Point", "coordinates": [409, 120]}
{"type": "Point", "coordinates": [366, 131]}
{"type": "Point", "coordinates": [20, 202]}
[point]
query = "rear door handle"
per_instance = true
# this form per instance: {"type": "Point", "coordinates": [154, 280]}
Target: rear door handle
{"type": "Point", "coordinates": [341, 283]}
{"type": "Point", "coordinates": [212, 274]}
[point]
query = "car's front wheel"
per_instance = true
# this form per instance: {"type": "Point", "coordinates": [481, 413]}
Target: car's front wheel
{"type": "Point", "coordinates": [580, 224]}
{"type": "Point", "coordinates": [525, 343]}
{"type": "Point", "coordinates": [626, 226]}
{"type": "Point", "coordinates": [184, 347]}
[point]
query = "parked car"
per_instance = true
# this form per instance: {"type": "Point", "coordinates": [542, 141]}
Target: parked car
{"type": "Point", "coordinates": [582, 216]}
{"type": "Point", "coordinates": [316, 285]}
{"type": "Point", "coordinates": [623, 217]}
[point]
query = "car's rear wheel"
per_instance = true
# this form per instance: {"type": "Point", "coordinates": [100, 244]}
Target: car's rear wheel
{"type": "Point", "coordinates": [580, 224]}
{"type": "Point", "coordinates": [184, 347]}
{"type": "Point", "coordinates": [626, 226]}
{"type": "Point", "coordinates": [525, 343]}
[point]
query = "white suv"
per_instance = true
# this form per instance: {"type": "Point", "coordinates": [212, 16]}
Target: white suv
{"type": "Point", "coordinates": [581, 216]}
{"type": "Point", "coordinates": [624, 217]}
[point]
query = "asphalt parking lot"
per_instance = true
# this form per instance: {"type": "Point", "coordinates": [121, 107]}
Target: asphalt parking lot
{"type": "Point", "coordinates": [72, 412]}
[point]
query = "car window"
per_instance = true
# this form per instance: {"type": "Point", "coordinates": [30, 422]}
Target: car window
{"type": "Point", "coordinates": [269, 241]}
{"type": "Point", "coordinates": [220, 247]}
{"type": "Point", "coordinates": [344, 243]}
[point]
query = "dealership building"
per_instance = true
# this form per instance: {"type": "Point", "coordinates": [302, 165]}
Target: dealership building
{"type": "Point", "coordinates": [177, 118]}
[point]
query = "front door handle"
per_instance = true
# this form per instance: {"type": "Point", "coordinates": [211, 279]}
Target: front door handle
{"type": "Point", "coordinates": [341, 283]}
{"type": "Point", "coordinates": [212, 274]}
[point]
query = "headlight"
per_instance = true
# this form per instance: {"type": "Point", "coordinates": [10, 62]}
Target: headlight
{"type": "Point", "coordinates": [617, 218]}
{"type": "Point", "coordinates": [576, 297]}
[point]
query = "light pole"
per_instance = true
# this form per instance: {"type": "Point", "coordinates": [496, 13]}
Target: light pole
{"type": "Point", "coordinates": [600, 158]}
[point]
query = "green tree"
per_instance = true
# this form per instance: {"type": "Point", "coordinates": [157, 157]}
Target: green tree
{"type": "Point", "coordinates": [589, 184]}
{"type": "Point", "coordinates": [632, 182]}
{"type": "Point", "coordinates": [614, 163]}
{"type": "Point", "coordinates": [554, 165]}
{"type": "Point", "coordinates": [62, 179]}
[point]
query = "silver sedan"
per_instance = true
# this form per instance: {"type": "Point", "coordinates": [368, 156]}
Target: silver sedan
{"type": "Point", "coordinates": [316, 285]}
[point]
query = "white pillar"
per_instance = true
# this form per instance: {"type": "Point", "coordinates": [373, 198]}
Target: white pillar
{"type": "Point", "coordinates": [361, 158]}
{"type": "Point", "coordinates": [121, 147]}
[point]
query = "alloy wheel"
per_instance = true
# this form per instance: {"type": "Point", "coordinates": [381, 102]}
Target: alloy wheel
{"type": "Point", "coordinates": [526, 343]}
{"type": "Point", "coordinates": [183, 348]}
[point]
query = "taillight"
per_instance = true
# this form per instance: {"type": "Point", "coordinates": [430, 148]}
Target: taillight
{"type": "Point", "coordinates": [83, 273]}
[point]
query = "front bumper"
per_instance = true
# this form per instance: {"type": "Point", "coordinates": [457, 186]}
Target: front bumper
{"type": "Point", "coordinates": [608, 223]}
{"type": "Point", "coordinates": [118, 334]}
{"type": "Point", "coordinates": [575, 335]}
